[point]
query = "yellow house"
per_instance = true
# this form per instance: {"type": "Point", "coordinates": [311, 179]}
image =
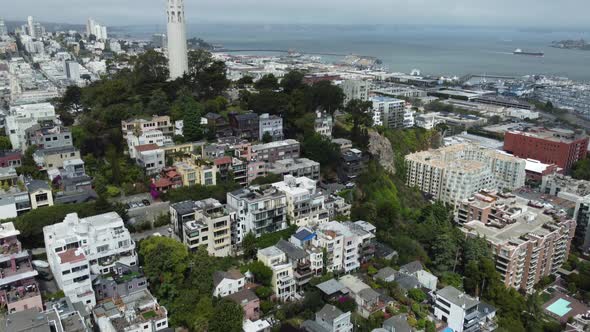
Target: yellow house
{"type": "Point", "coordinates": [197, 172]}
{"type": "Point", "coordinates": [39, 193]}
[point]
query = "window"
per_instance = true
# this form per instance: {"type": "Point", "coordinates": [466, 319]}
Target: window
{"type": "Point", "coordinates": [102, 248]}
{"type": "Point", "coordinates": [41, 198]}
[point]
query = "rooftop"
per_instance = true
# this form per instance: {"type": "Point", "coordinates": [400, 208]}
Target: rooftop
{"type": "Point", "coordinates": [457, 297]}
{"type": "Point", "coordinates": [276, 144]}
{"type": "Point", "coordinates": [555, 134]}
{"type": "Point", "coordinates": [146, 147]}
{"type": "Point", "coordinates": [515, 218]}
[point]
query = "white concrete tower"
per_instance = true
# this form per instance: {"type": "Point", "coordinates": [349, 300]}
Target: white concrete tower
{"type": "Point", "coordinates": [31, 25]}
{"type": "Point", "coordinates": [177, 51]}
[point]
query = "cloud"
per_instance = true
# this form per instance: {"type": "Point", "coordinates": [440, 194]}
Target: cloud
{"type": "Point", "coordinates": [538, 13]}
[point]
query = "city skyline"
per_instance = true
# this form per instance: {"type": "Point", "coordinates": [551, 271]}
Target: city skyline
{"type": "Point", "coordinates": [454, 12]}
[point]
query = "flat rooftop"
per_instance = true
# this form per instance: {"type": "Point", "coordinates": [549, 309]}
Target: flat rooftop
{"type": "Point", "coordinates": [527, 220]}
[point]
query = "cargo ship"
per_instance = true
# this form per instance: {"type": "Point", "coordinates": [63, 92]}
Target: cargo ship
{"type": "Point", "coordinates": [518, 51]}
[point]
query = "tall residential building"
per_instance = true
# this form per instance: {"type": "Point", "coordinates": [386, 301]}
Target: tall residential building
{"type": "Point", "coordinates": [3, 30]}
{"type": "Point", "coordinates": [93, 28]}
{"type": "Point", "coordinates": [463, 313]}
{"type": "Point", "coordinates": [177, 50]}
{"type": "Point", "coordinates": [203, 223]}
{"type": "Point", "coordinates": [305, 205]}
{"type": "Point", "coordinates": [356, 89]}
{"type": "Point", "coordinates": [528, 239]}
{"type": "Point", "coordinates": [551, 146]}
{"type": "Point", "coordinates": [18, 289]}
{"type": "Point", "coordinates": [31, 27]}
{"type": "Point", "coordinates": [577, 191]}
{"type": "Point", "coordinates": [72, 69]}
{"type": "Point", "coordinates": [22, 117]}
{"type": "Point", "coordinates": [454, 173]}
{"type": "Point", "coordinates": [79, 248]}
{"type": "Point", "coordinates": [283, 279]}
{"type": "Point", "coordinates": [388, 112]}
{"type": "Point", "coordinates": [259, 210]}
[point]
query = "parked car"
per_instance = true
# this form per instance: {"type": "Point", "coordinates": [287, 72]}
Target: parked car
{"type": "Point", "coordinates": [44, 275]}
{"type": "Point", "coordinates": [145, 202]}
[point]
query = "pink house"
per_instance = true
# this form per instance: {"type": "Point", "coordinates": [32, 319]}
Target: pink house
{"type": "Point", "coordinates": [249, 301]}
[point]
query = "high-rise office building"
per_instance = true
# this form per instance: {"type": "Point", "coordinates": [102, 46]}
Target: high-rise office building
{"type": "Point", "coordinates": [177, 50]}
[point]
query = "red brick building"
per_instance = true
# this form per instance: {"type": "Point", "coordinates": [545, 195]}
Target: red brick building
{"type": "Point", "coordinates": [550, 146]}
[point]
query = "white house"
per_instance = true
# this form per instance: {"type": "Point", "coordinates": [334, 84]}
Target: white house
{"type": "Point", "coordinates": [228, 282]}
{"type": "Point", "coordinates": [305, 205]}
{"type": "Point", "coordinates": [462, 312]}
{"type": "Point", "coordinates": [22, 117]}
{"type": "Point", "coordinates": [150, 157]}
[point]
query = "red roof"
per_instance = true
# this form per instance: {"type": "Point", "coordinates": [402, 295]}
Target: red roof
{"type": "Point", "coordinates": [222, 160]}
{"type": "Point", "coordinates": [146, 147]}
{"type": "Point", "coordinates": [171, 174]}
{"type": "Point", "coordinates": [69, 256]}
{"type": "Point", "coordinates": [162, 183]}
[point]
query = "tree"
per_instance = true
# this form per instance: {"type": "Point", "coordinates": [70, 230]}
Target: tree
{"type": "Point", "coordinates": [262, 273]}
{"type": "Point", "coordinates": [227, 317]}
{"type": "Point", "coordinates": [150, 67]}
{"type": "Point", "coordinates": [249, 245]}
{"type": "Point", "coordinates": [581, 169]}
{"type": "Point", "coordinates": [164, 262]}
{"type": "Point", "coordinates": [267, 137]}
{"type": "Point", "coordinates": [267, 82]}
{"type": "Point", "coordinates": [291, 81]}
{"type": "Point", "coordinates": [417, 295]}
{"type": "Point", "coordinates": [190, 111]}
{"type": "Point", "coordinates": [5, 143]}
{"type": "Point", "coordinates": [198, 60]}
{"type": "Point", "coordinates": [245, 80]}
{"type": "Point", "coordinates": [268, 179]}
{"type": "Point", "coordinates": [327, 96]}
{"type": "Point", "coordinates": [158, 103]}
{"type": "Point", "coordinates": [321, 149]}
{"type": "Point", "coordinates": [212, 81]}
{"type": "Point", "coordinates": [360, 113]}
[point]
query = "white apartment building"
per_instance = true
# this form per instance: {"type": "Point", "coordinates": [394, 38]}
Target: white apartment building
{"type": "Point", "coordinates": [343, 242]}
{"type": "Point", "coordinates": [80, 247]}
{"type": "Point", "coordinates": [20, 118]}
{"type": "Point", "coordinates": [271, 124]}
{"type": "Point", "coordinates": [150, 157]}
{"type": "Point", "coordinates": [305, 205]}
{"type": "Point", "coordinates": [355, 89]}
{"type": "Point", "coordinates": [427, 120]}
{"type": "Point", "coordinates": [388, 112]}
{"type": "Point", "coordinates": [323, 123]}
{"type": "Point", "coordinates": [156, 137]}
{"type": "Point", "coordinates": [283, 281]}
{"type": "Point", "coordinates": [462, 312]}
{"type": "Point", "coordinates": [258, 210]}
{"type": "Point", "coordinates": [330, 319]}
{"type": "Point", "coordinates": [454, 173]}
{"type": "Point", "coordinates": [408, 118]}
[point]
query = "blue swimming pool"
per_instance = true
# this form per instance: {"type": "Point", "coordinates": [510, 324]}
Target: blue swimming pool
{"type": "Point", "coordinates": [560, 307]}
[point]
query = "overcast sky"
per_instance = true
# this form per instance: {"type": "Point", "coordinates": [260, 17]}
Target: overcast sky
{"type": "Point", "coordinates": [535, 13]}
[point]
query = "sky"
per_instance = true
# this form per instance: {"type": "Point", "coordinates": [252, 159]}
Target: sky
{"type": "Point", "coordinates": [517, 13]}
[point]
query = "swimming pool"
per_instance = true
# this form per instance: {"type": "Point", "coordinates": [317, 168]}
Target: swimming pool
{"type": "Point", "coordinates": [560, 307]}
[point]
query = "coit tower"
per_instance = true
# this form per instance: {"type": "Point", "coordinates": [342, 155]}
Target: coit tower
{"type": "Point", "coordinates": [177, 53]}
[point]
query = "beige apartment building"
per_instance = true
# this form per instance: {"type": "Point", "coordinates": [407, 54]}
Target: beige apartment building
{"type": "Point", "coordinates": [528, 239]}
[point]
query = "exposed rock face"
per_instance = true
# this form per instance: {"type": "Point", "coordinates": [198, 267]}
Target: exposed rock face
{"type": "Point", "coordinates": [380, 149]}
